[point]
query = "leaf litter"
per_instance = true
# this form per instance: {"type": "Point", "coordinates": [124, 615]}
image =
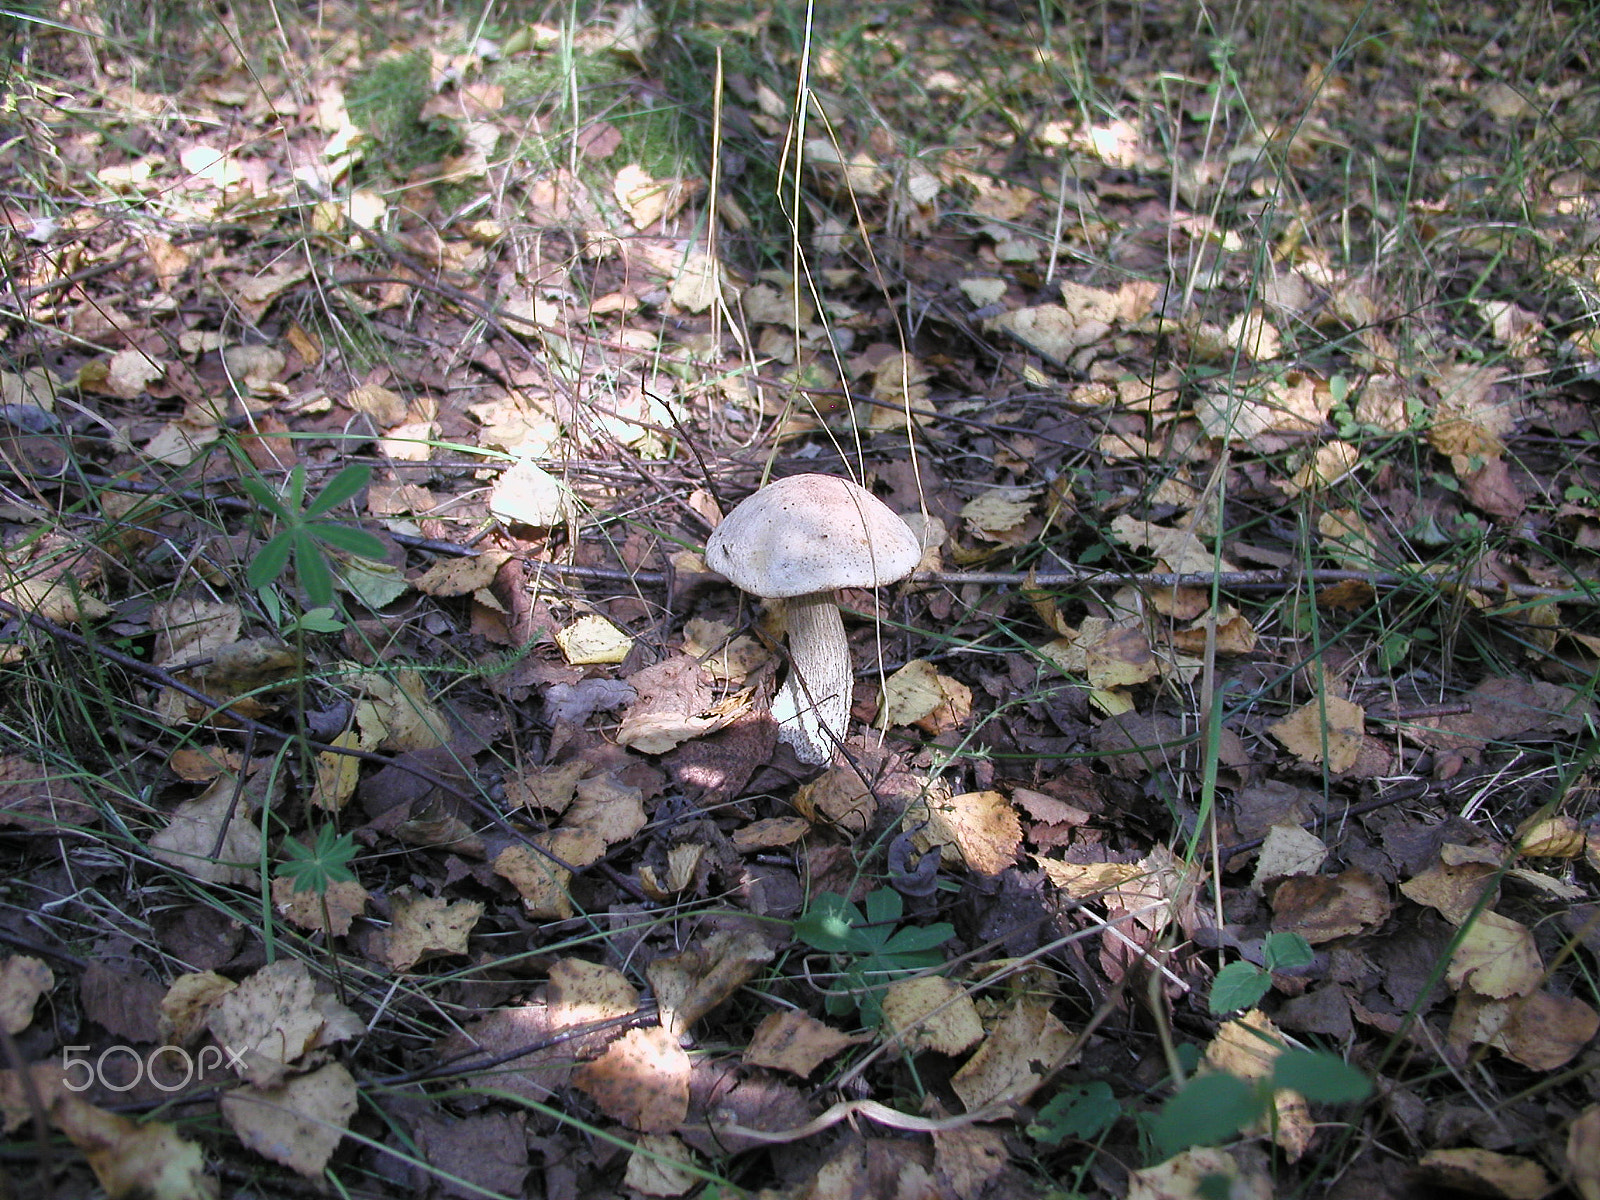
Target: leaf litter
{"type": "Point", "coordinates": [1257, 603]}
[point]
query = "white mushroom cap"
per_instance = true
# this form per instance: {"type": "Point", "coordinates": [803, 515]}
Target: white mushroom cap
{"type": "Point", "coordinates": [812, 533]}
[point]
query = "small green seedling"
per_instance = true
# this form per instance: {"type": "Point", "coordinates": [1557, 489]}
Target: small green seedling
{"type": "Point", "coordinates": [1081, 1111]}
{"type": "Point", "coordinates": [876, 952]}
{"type": "Point", "coordinates": [1240, 985]}
{"type": "Point", "coordinates": [318, 867]}
{"type": "Point", "coordinates": [305, 535]}
{"type": "Point", "coordinates": [1215, 1107]}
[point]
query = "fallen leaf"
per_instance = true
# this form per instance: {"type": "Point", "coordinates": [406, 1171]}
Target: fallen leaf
{"type": "Point", "coordinates": [1583, 1153]}
{"type": "Point", "coordinates": [218, 821]}
{"type": "Point", "coordinates": [1186, 1176]}
{"type": "Point", "coordinates": [1541, 1031]}
{"type": "Point", "coordinates": [642, 1080]}
{"type": "Point", "coordinates": [1247, 1047]}
{"type": "Point", "coordinates": [791, 1041]}
{"type": "Point", "coordinates": [657, 1166]}
{"type": "Point", "coordinates": [1327, 729]}
{"type": "Point", "coordinates": [299, 1123]}
{"type": "Point", "coordinates": [1486, 1173]}
{"type": "Point", "coordinates": [274, 1018]}
{"type": "Point", "coordinates": [1011, 1064]}
{"type": "Point", "coordinates": [931, 1013]}
{"type": "Point", "coordinates": [690, 984]}
{"type": "Point", "coordinates": [425, 927]}
{"type": "Point", "coordinates": [23, 980]}
{"type": "Point", "coordinates": [1322, 908]}
{"type": "Point", "coordinates": [979, 829]}
{"type": "Point", "coordinates": [1453, 891]}
{"type": "Point", "coordinates": [1288, 850]}
{"type": "Point", "coordinates": [132, 1158]}
{"type": "Point", "coordinates": [1496, 957]}
{"type": "Point", "coordinates": [593, 641]}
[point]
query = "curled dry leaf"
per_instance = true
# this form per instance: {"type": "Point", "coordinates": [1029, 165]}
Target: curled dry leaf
{"type": "Point", "coordinates": [689, 985]}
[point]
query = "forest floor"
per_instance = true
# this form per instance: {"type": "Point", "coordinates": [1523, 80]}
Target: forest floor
{"type": "Point", "coordinates": [389, 800]}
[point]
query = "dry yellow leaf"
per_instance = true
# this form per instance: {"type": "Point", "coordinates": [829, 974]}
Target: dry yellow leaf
{"type": "Point", "coordinates": [1329, 729]}
{"type": "Point", "coordinates": [931, 1013]}
{"type": "Point", "coordinates": [1496, 957]}
{"type": "Point", "coordinates": [980, 829]}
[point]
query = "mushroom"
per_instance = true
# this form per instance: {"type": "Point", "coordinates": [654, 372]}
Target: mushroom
{"type": "Point", "coordinates": [798, 539]}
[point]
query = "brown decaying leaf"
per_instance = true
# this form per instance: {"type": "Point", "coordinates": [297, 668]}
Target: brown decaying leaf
{"type": "Point", "coordinates": [1026, 1042]}
{"type": "Point", "coordinates": [689, 985]}
{"type": "Point", "coordinates": [642, 1080]}
{"type": "Point", "coordinates": [23, 979]}
{"type": "Point", "coordinates": [791, 1041]}
{"type": "Point", "coordinates": [424, 927]}
{"type": "Point", "coordinates": [1541, 1031]}
{"type": "Point", "coordinates": [298, 1123]}
{"type": "Point", "coordinates": [132, 1158]}
{"type": "Point", "coordinates": [1322, 908]}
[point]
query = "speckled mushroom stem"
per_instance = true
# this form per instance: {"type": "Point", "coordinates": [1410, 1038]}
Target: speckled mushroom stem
{"type": "Point", "coordinates": [813, 706]}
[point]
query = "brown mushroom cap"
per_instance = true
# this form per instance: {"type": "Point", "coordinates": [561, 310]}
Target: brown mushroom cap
{"type": "Point", "coordinates": [812, 533]}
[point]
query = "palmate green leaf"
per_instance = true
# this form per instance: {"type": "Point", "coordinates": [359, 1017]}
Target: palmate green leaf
{"type": "Point", "coordinates": [349, 539]}
{"type": "Point", "coordinates": [884, 906]}
{"type": "Point", "coordinates": [829, 924]}
{"type": "Point", "coordinates": [266, 498]}
{"type": "Point", "coordinates": [314, 868]}
{"type": "Point", "coordinates": [913, 939]}
{"type": "Point", "coordinates": [311, 570]}
{"type": "Point", "coordinates": [270, 560]}
{"type": "Point", "coordinates": [340, 488]}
